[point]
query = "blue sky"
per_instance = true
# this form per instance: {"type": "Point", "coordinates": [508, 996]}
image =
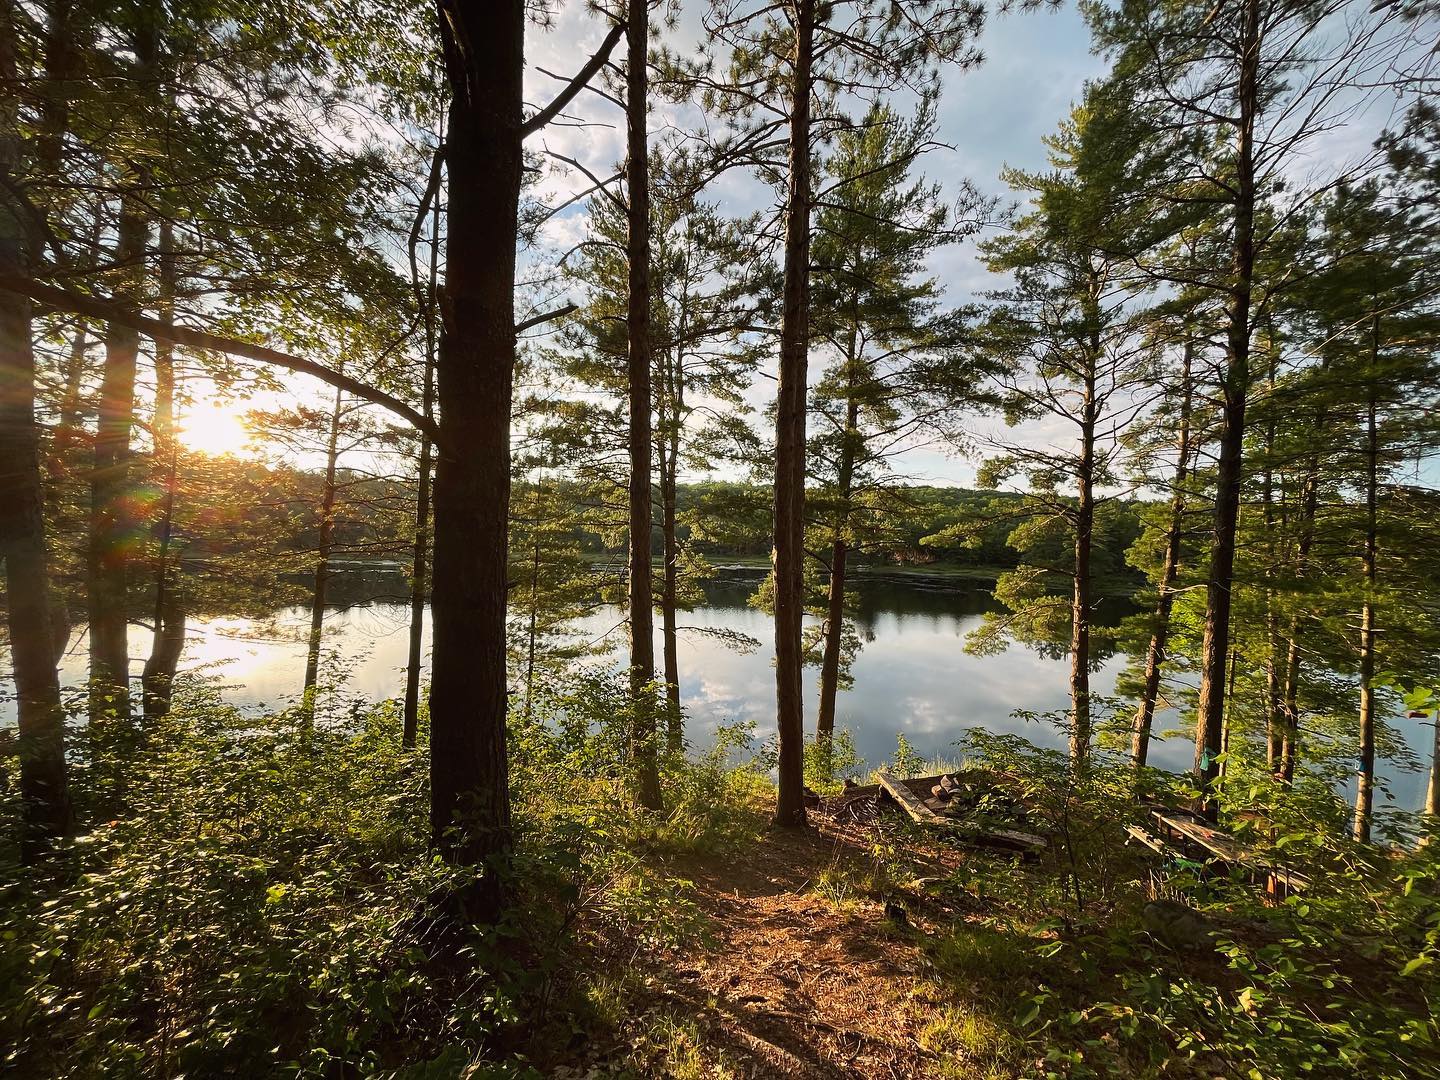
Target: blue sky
{"type": "Point", "coordinates": [1036, 64]}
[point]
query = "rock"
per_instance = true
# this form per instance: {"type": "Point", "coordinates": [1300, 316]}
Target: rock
{"type": "Point", "coordinates": [1177, 926]}
{"type": "Point", "coordinates": [896, 913]}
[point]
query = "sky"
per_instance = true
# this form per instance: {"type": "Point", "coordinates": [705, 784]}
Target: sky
{"type": "Point", "coordinates": [1036, 64]}
{"type": "Point", "coordinates": [995, 115]}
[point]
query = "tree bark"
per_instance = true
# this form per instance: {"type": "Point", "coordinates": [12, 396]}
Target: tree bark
{"type": "Point", "coordinates": [111, 517]}
{"type": "Point", "coordinates": [1160, 629]}
{"type": "Point", "coordinates": [1290, 685]}
{"type": "Point", "coordinates": [789, 550]}
{"type": "Point", "coordinates": [1215, 647]}
{"type": "Point", "coordinates": [483, 46]}
{"type": "Point", "coordinates": [643, 748]}
{"type": "Point", "coordinates": [1365, 771]}
{"type": "Point", "coordinates": [1274, 718]}
{"type": "Point", "coordinates": [44, 787]}
{"type": "Point", "coordinates": [670, 586]}
{"type": "Point", "coordinates": [158, 677]}
{"type": "Point", "coordinates": [325, 543]}
{"type": "Point", "coordinates": [1082, 600]}
{"type": "Point", "coordinates": [839, 553]}
{"type": "Point", "coordinates": [411, 722]}
{"type": "Point", "coordinates": [1432, 789]}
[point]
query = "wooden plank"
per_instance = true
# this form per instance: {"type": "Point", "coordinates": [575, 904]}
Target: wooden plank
{"type": "Point", "coordinates": [1219, 844]}
{"type": "Point", "coordinates": [912, 804]}
{"type": "Point", "coordinates": [1154, 844]}
{"type": "Point", "coordinates": [898, 790]}
{"type": "Point", "coordinates": [1009, 839]}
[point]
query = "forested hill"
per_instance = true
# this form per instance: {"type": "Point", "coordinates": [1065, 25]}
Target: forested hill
{"type": "Point", "coordinates": [264, 519]}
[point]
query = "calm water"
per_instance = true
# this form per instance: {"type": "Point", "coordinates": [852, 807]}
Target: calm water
{"type": "Point", "coordinates": [912, 674]}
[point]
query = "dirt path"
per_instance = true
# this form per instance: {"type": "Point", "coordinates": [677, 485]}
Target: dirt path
{"type": "Point", "coordinates": [798, 982]}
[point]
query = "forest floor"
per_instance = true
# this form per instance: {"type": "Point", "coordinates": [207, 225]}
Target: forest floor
{"type": "Point", "coordinates": [810, 963]}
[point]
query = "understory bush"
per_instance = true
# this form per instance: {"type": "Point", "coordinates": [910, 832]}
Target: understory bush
{"type": "Point", "coordinates": [256, 897]}
{"type": "Point", "coordinates": [1336, 980]}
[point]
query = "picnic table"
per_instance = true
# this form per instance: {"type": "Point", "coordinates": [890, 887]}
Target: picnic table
{"type": "Point", "coordinates": [1221, 847]}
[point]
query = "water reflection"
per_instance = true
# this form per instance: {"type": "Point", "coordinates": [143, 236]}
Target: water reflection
{"type": "Point", "coordinates": [912, 674]}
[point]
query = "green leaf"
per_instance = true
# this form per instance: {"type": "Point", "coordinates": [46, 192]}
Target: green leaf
{"type": "Point", "coordinates": [1415, 965]}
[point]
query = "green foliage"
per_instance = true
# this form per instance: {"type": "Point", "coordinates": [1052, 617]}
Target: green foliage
{"type": "Point", "coordinates": [830, 762]}
{"type": "Point", "coordinates": [258, 902]}
{"type": "Point", "coordinates": [1333, 982]}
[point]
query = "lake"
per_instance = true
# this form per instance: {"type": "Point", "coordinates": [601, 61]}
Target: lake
{"type": "Point", "coordinates": [912, 674]}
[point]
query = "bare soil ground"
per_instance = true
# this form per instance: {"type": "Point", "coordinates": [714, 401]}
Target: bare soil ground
{"type": "Point", "coordinates": [799, 974]}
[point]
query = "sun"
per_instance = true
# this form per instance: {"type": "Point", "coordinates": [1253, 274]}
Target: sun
{"type": "Point", "coordinates": [216, 427]}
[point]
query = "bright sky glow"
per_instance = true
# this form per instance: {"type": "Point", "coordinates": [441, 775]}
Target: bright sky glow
{"type": "Point", "coordinates": [216, 426]}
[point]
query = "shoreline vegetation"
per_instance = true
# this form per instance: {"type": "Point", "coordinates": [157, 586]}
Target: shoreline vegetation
{"type": "Point", "coordinates": [264, 902]}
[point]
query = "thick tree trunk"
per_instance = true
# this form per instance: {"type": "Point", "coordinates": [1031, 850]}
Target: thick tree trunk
{"type": "Point", "coordinates": [319, 592]}
{"type": "Point", "coordinates": [1215, 646]}
{"type": "Point", "coordinates": [62, 72]}
{"type": "Point", "coordinates": [1365, 771]}
{"type": "Point", "coordinates": [158, 677]}
{"type": "Point", "coordinates": [111, 515]}
{"type": "Point", "coordinates": [484, 46]}
{"type": "Point", "coordinates": [1160, 630]}
{"type": "Point", "coordinates": [642, 600]}
{"type": "Point", "coordinates": [44, 789]}
{"type": "Point", "coordinates": [418, 570]}
{"type": "Point", "coordinates": [789, 551]}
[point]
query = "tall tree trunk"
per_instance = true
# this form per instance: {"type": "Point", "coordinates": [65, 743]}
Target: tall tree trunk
{"type": "Point", "coordinates": [44, 787]}
{"type": "Point", "coordinates": [158, 677]}
{"type": "Point", "coordinates": [1160, 627]}
{"type": "Point", "coordinates": [532, 633]}
{"type": "Point", "coordinates": [62, 79]}
{"type": "Point", "coordinates": [111, 515]}
{"type": "Point", "coordinates": [1365, 772]}
{"type": "Point", "coordinates": [1432, 789]}
{"type": "Point", "coordinates": [1290, 685]}
{"type": "Point", "coordinates": [672, 402]}
{"type": "Point", "coordinates": [670, 587]}
{"type": "Point", "coordinates": [318, 594]}
{"type": "Point", "coordinates": [642, 599]}
{"type": "Point", "coordinates": [1274, 717]}
{"type": "Point", "coordinates": [411, 722]}
{"type": "Point", "coordinates": [839, 553]}
{"type": "Point", "coordinates": [1215, 646]}
{"type": "Point", "coordinates": [1082, 602]}
{"type": "Point", "coordinates": [789, 551]}
{"type": "Point", "coordinates": [484, 47]}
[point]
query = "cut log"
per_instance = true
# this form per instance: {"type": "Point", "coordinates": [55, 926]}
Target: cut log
{"type": "Point", "coordinates": [909, 802]}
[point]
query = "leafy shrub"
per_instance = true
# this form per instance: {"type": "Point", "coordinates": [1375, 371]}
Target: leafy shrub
{"type": "Point", "coordinates": [259, 899]}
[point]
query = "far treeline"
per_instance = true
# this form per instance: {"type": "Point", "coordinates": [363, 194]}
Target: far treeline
{"type": "Point", "coordinates": [1203, 369]}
